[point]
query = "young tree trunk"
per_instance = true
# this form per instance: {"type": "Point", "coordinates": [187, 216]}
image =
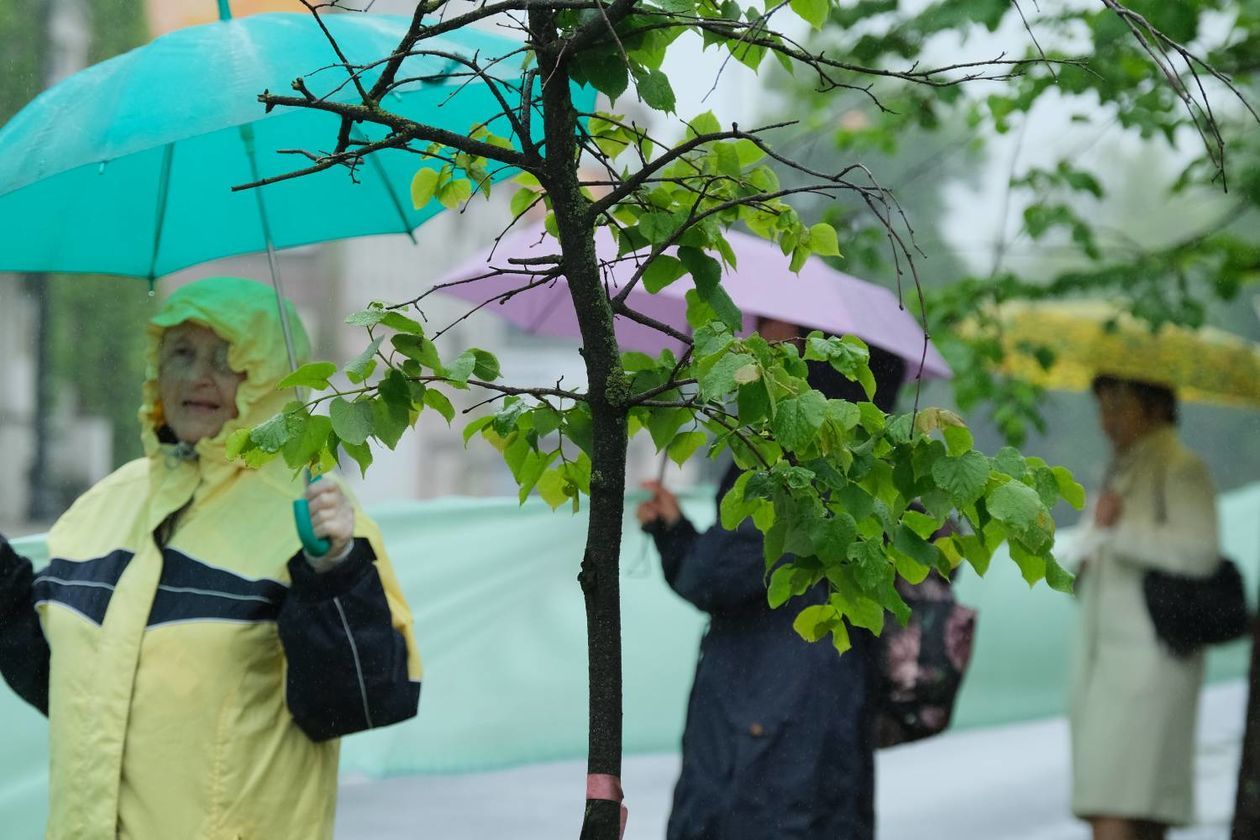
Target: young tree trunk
{"type": "Point", "coordinates": [1247, 801]}
{"type": "Point", "coordinates": [608, 391]}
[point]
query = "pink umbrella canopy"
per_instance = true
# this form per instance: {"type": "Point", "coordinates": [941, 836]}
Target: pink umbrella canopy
{"type": "Point", "coordinates": [818, 297]}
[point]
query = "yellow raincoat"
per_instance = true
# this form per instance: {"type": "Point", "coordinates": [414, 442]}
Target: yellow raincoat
{"type": "Point", "coordinates": [197, 688]}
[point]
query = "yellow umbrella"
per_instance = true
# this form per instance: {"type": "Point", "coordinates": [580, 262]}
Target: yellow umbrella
{"type": "Point", "coordinates": [1092, 338]}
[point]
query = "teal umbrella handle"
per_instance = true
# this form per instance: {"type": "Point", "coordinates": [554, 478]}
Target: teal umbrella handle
{"type": "Point", "coordinates": [313, 545]}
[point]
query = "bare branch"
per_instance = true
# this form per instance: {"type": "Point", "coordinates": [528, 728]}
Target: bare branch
{"type": "Point", "coordinates": [405, 131]}
{"type": "Point", "coordinates": [621, 309]}
{"type": "Point", "coordinates": [631, 184]}
{"type": "Point", "coordinates": [643, 397]}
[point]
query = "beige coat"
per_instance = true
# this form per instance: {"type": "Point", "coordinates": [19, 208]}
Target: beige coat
{"type": "Point", "coordinates": [1134, 704]}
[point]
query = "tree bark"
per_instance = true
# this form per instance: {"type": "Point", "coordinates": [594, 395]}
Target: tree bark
{"type": "Point", "coordinates": [608, 394]}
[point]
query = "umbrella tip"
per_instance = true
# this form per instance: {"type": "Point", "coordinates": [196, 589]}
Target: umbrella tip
{"type": "Point", "coordinates": [225, 10]}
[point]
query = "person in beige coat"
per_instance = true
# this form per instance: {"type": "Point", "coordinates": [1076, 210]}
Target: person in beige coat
{"type": "Point", "coordinates": [1134, 703]}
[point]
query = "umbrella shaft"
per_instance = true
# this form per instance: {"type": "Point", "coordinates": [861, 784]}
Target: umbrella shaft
{"type": "Point", "coordinates": [247, 136]}
{"type": "Point", "coordinates": [275, 284]}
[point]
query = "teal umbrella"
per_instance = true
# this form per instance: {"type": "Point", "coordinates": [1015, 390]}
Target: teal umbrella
{"type": "Point", "coordinates": [127, 167]}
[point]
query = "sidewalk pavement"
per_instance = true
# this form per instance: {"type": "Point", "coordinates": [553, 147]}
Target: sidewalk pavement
{"type": "Point", "coordinates": [1000, 783]}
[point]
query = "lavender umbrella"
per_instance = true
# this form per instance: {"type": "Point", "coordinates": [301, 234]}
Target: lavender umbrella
{"type": "Point", "coordinates": [819, 297]}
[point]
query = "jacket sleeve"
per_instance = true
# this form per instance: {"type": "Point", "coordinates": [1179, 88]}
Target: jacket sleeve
{"type": "Point", "coordinates": [24, 653]}
{"type": "Point", "coordinates": [352, 663]}
{"type": "Point", "coordinates": [1184, 539]}
{"type": "Point", "coordinates": [715, 570]}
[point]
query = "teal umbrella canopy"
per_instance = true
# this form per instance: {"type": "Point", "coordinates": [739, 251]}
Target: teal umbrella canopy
{"type": "Point", "coordinates": [127, 167]}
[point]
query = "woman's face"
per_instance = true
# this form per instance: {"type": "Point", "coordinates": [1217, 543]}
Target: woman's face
{"type": "Point", "coordinates": [195, 383]}
{"type": "Point", "coordinates": [1124, 417]}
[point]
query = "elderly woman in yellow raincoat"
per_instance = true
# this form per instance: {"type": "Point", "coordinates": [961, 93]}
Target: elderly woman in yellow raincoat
{"type": "Point", "coordinates": [1134, 702]}
{"type": "Point", "coordinates": [197, 668]}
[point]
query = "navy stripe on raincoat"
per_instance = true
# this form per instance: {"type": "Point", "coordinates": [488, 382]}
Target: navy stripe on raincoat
{"type": "Point", "coordinates": [194, 591]}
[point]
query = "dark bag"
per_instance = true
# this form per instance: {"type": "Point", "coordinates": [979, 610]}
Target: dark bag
{"type": "Point", "coordinates": [1189, 613]}
{"type": "Point", "coordinates": [921, 665]}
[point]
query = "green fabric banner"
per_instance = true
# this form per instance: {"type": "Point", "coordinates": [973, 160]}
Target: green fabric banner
{"type": "Point", "coordinates": [501, 627]}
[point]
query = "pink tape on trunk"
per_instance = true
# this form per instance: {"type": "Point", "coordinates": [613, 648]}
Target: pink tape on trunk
{"type": "Point", "coordinates": [607, 787]}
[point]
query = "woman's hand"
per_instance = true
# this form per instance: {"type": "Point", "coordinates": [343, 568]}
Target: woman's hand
{"type": "Point", "coordinates": [332, 517]}
{"type": "Point", "coordinates": [662, 507]}
{"type": "Point", "coordinates": [1107, 513]}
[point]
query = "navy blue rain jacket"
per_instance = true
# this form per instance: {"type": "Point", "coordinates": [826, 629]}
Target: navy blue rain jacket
{"type": "Point", "coordinates": [779, 741]}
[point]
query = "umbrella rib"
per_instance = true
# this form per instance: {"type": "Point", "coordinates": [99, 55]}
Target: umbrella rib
{"type": "Point", "coordinates": [389, 190]}
{"type": "Point", "coordinates": [164, 183]}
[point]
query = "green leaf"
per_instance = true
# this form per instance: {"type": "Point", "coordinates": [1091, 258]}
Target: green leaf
{"type": "Point", "coordinates": [912, 570]}
{"type": "Point", "coordinates": [855, 501]}
{"type": "Point", "coordinates": [748, 151]}
{"type": "Point", "coordinates": [813, 12]}
{"type": "Point", "coordinates": [369, 317]}
{"type": "Point", "coordinates": [486, 366]}
{"type": "Point", "coordinates": [423, 186]}
{"type": "Point", "coordinates": [823, 240]}
{"type": "Point", "coordinates": [1058, 578]}
{"type": "Point", "coordinates": [726, 160]}
{"type": "Point", "coordinates": [753, 402]}
{"type": "Point", "coordinates": [454, 193]}
{"type": "Point", "coordinates": [459, 370]}
{"type": "Point", "coordinates": [663, 424]}
{"type": "Point", "coordinates": [1016, 505]}
{"type": "Point", "coordinates": [918, 549]}
{"type": "Point", "coordinates": [1009, 461]}
{"type": "Point", "coordinates": [633, 361]}
{"type": "Point", "coordinates": [976, 552]}
{"type": "Point", "coordinates": [553, 488]}
{"type": "Point", "coordinates": [706, 272]}
{"type": "Point", "coordinates": [605, 70]}
{"type": "Point", "coordinates": [705, 123]}
{"type": "Point", "coordinates": [797, 420]}
{"type": "Point", "coordinates": [272, 435]}
{"type": "Point", "coordinates": [958, 440]}
{"type": "Point", "coordinates": [720, 380]}
{"type": "Point", "coordinates": [661, 272]}
{"type": "Point", "coordinates": [1071, 491]}
{"type": "Point", "coordinates": [313, 375]}
{"type": "Point", "coordinates": [522, 200]}
{"type": "Point", "coordinates": [362, 366]}
{"type": "Point", "coordinates": [685, 445]}
{"type": "Point", "coordinates": [389, 421]}
{"type": "Point", "coordinates": [303, 450]}
{"type": "Point", "coordinates": [400, 322]}
{"type": "Point", "coordinates": [814, 622]}
{"type": "Point", "coordinates": [711, 339]}
{"type": "Point", "coordinates": [476, 426]}
{"type": "Point", "coordinates": [922, 524]}
{"type": "Point", "coordinates": [655, 90]}
{"type": "Point", "coordinates": [873, 420]}
{"type": "Point", "coordinates": [352, 421]}
{"type": "Point", "coordinates": [964, 477]}
{"type": "Point", "coordinates": [438, 401]}
{"type": "Point", "coordinates": [419, 348]}
{"type": "Point", "coordinates": [361, 453]}
{"type": "Point", "coordinates": [238, 443]}
{"type": "Point", "coordinates": [780, 589]}
{"type": "Point", "coordinates": [1031, 566]}
{"type": "Point", "coordinates": [833, 536]}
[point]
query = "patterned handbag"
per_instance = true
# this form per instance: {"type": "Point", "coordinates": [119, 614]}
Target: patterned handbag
{"type": "Point", "coordinates": [921, 665]}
